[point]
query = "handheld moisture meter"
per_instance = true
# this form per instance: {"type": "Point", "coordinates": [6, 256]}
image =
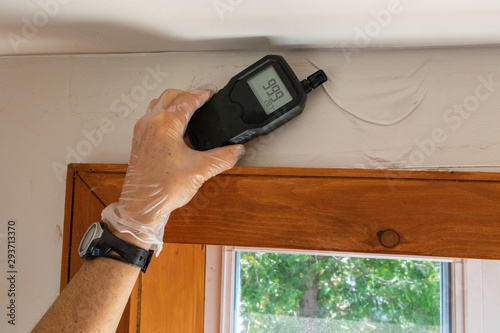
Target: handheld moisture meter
{"type": "Point", "coordinates": [254, 102]}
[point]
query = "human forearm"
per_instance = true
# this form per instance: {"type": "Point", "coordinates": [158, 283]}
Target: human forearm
{"type": "Point", "coordinates": [94, 299]}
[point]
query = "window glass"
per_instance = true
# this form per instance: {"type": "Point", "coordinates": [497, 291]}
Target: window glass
{"type": "Point", "coordinates": [278, 292]}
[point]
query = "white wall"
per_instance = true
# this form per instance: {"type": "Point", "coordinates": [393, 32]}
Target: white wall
{"type": "Point", "coordinates": [93, 26]}
{"type": "Point", "coordinates": [48, 103]}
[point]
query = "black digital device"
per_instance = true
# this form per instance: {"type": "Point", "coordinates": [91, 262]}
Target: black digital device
{"type": "Point", "coordinates": [254, 102]}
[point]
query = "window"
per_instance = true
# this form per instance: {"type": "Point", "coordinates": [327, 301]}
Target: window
{"type": "Point", "coordinates": [304, 291]}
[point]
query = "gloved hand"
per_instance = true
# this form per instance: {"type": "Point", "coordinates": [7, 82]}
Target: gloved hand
{"type": "Point", "coordinates": [163, 172]}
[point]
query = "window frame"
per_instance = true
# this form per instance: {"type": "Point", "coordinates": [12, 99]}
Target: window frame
{"type": "Point", "coordinates": [227, 271]}
{"type": "Point", "coordinates": [437, 214]}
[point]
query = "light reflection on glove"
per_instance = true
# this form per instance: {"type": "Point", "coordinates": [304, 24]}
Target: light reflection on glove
{"type": "Point", "coordinates": [164, 173]}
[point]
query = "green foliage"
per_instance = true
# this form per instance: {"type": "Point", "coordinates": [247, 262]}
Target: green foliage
{"type": "Point", "coordinates": [377, 292]}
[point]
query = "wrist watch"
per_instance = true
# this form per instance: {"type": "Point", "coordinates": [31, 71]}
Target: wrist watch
{"type": "Point", "coordinates": [98, 241]}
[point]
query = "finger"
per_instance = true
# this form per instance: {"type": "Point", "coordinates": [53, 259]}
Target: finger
{"type": "Point", "coordinates": [205, 87]}
{"type": "Point", "coordinates": [187, 103]}
{"type": "Point", "coordinates": [152, 104]}
{"type": "Point", "coordinates": [155, 106]}
{"type": "Point", "coordinates": [187, 141]}
{"type": "Point", "coordinates": [221, 159]}
{"type": "Point", "coordinates": [168, 96]}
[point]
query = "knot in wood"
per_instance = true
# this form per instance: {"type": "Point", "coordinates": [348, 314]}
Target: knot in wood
{"type": "Point", "coordinates": [388, 238]}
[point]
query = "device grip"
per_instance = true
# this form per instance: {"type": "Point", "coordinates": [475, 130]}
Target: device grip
{"type": "Point", "coordinates": [210, 127]}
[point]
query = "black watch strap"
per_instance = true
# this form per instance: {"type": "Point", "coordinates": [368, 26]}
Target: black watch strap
{"type": "Point", "coordinates": [117, 248]}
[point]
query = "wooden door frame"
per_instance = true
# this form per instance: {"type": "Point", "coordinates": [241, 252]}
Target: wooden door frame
{"type": "Point", "coordinates": [417, 213]}
{"type": "Point", "coordinates": [432, 213]}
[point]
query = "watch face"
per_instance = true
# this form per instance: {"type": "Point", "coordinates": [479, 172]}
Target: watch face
{"type": "Point", "coordinates": [87, 238]}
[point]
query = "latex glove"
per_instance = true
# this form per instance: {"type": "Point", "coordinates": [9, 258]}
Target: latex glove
{"type": "Point", "coordinates": [164, 173]}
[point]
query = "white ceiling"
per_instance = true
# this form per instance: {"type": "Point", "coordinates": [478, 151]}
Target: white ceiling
{"type": "Point", "coordinates": [93, 26]}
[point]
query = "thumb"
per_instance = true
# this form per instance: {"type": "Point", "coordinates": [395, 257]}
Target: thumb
{"type": "Point", "coordinates": [221, 159]}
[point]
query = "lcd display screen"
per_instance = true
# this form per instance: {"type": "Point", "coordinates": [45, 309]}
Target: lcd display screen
{"type": "Point", "coordinates": [269, 89]}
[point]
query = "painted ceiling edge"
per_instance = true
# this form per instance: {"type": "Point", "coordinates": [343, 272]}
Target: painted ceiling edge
{"type": "Point", "coordinates": [66, 27]}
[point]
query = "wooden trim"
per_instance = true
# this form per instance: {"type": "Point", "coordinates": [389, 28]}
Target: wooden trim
{"type": "Point", "coordinates": [99, 168]}
{"type": "Point", "coordinates": [430, 213]}
{"type": "Point", "coordinates": [173, 291]}
{"type": "Point", "coordinates": [441, 214]}
{"type": "Point", "coordinates": [68, 217]}
{"type": "Point", "coordinates": [135, 307]}
{"type": "Point", "coordinates": [317, 172]}
{"type": "Point", "coordinates": [83, 207]}
{"type": "Point", "coordinates": [88, 191]}
{"type": "Point", "coordinates": [428, 217]}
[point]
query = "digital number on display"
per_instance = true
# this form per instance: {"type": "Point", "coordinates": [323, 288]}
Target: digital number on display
{"type": "Point", "coordinates": [269, 90]}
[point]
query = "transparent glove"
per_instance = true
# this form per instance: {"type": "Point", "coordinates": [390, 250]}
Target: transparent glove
{"type": "Point", "coordinates": [163, 172]}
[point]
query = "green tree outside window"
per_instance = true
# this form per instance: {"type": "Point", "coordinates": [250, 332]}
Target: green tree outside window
{"type": "Point", "coordinates": [288, 293]}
